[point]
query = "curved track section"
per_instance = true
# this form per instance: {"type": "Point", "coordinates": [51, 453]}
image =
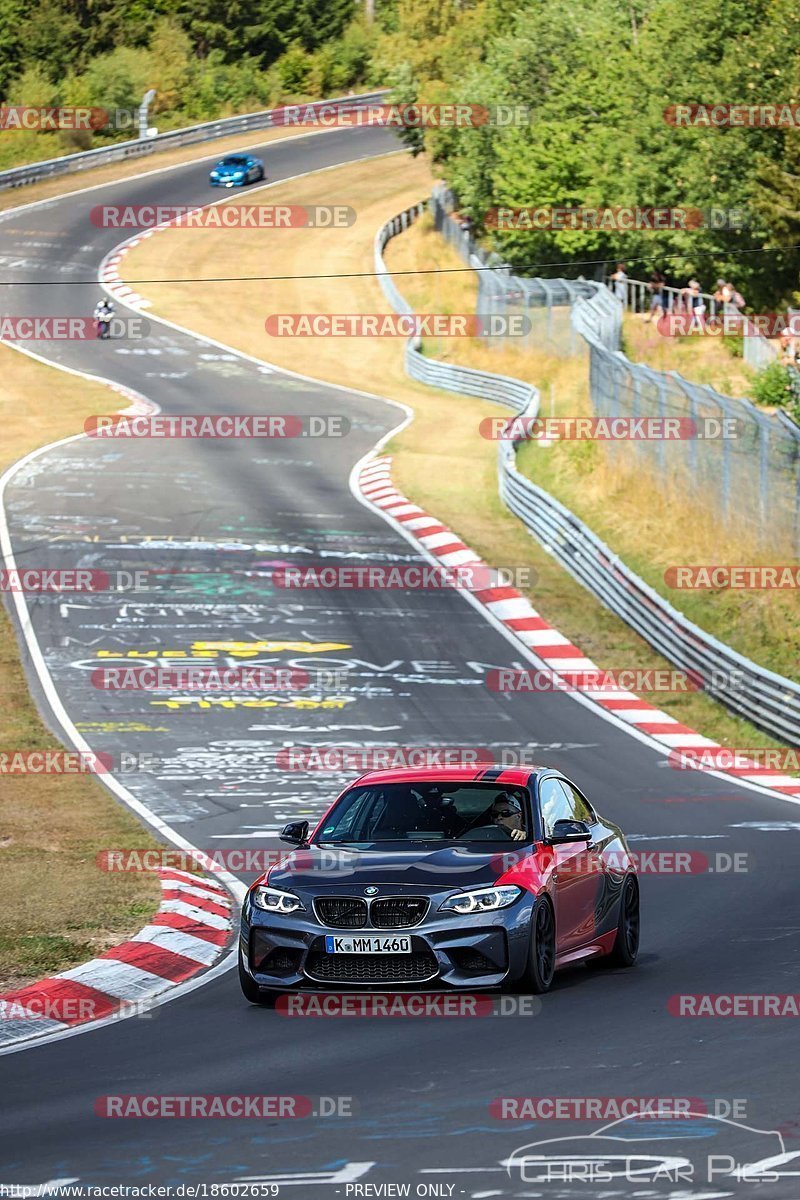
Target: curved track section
{"type": "Point", "coordinates": [206, 519]}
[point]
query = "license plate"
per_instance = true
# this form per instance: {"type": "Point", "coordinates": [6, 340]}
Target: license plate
{"type": "Point", "coordinates": [368, 944]}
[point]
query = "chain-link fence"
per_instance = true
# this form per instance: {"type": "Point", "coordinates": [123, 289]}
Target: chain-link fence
{"type": "Point", "coordinates": [770, 701]}
{"type": "Point", "coordinates": [744, 464]}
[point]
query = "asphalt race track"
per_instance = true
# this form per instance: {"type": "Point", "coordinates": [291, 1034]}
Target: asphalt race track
{"type": "Point", "coordinates": [222, 514]}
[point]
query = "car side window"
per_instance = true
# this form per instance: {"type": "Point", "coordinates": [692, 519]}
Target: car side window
{"type": "Point", "coordinates": [580, 810]}
{"type": "Point", "coordinates": [555, 804]}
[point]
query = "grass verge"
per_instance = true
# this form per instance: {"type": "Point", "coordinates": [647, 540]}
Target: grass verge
{"type": "Point", "coordinates": [58, 908]}
{"type": "Point", "coordinates": [704, 360]}
{"type": "Point", "coordinates": [440, 460]}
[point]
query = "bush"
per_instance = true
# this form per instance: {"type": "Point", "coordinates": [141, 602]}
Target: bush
{"type": "Point", "coordinates": [293, 69]}
{"type": "Point", "coordinates": [773, 386]}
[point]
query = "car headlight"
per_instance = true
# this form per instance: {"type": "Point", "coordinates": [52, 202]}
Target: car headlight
{"type": "Point", "coordinates": [481, 899]}
{"type": "Point", "coordinates": [274, 900]}
{"type": "Point", "coordinates": [215, 174]}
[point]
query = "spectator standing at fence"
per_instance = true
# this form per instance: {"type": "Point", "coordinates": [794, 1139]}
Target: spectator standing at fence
{"type": "Point", "coordinates": [694, 301]}
{"type": "Point", "coordinates": [619, 282]}
{"type": "Point", "coordinates": [727, 297]}
{"type": "Point", "coordinates": [789, 348]}
{"type": "Point", "coordinates": [466, 226]}
{"type": "Point", "coordinates": [655, 287]}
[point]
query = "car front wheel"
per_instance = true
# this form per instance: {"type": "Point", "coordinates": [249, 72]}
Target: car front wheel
{"type": "Point", "coordinates": [252, 991]}
{"type": "Point", "coordinates": [542, 952]}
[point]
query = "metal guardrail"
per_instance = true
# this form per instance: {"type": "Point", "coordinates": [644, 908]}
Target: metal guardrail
{"type": "Point", "coordinates": [500, 389]}
{"type": "Point", "coordinates": [770, 701]}
{"type": "Point", "coordinates": [140, 147]}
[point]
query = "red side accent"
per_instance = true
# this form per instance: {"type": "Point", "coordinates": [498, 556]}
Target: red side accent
{"type": "Point", "coordinates": [526, 869]}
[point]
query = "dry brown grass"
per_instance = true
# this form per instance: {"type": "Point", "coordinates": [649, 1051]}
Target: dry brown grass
{"type": "Point", "coordinates": [58, 908]}
{"type": "Point", "coordinates": [440, 460]}
{"type": "Point", "coordinates": [701, 359]}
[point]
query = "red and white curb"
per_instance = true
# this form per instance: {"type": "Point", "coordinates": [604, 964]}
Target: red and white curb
{"type": "Point", "coordinates": [187, 935]}
{"type": "Point", "coordinates": [110, 271]}
{"type": "Point", "coordinates": [517, 614]}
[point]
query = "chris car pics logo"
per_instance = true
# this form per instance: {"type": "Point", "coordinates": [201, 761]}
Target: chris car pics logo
{"type": "Point", "coordinates": [729, 1158]}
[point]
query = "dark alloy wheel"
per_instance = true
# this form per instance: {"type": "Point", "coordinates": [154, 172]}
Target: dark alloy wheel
{"type": "Point", "coordinates": [542, 957]}
{"type": "Point", "coordinates": [626, 944]}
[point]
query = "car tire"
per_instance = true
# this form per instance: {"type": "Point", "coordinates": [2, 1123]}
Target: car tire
{"type": "Point", "coordinates": [540, 970]}
{"type": "Point", "coordinates": [625, 950]}
{"type": "Point", "coordinates": [252, 991]}
{"type": "Point", "coordinates": [260, 177]}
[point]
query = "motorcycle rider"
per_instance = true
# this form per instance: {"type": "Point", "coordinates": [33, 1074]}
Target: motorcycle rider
{"type": "Point", "coordinates": [103, 314]}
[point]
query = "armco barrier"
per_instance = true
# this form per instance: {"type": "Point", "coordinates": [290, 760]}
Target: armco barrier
{"type": "Point", "coordinates": [500, 389]}
{"type": "Point", "coordinates": [768, 700]}
{"type": "Point", "coordinates": [138, 148]}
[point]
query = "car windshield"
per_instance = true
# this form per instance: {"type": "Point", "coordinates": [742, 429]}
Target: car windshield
{"type": "Point", "coordinates": [234, 162]}
{"type": "Point", "coordinates": [440, 812]}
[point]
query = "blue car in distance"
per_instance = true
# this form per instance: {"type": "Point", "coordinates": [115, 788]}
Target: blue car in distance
{"type": "Point", "coordinates": [236, 170]}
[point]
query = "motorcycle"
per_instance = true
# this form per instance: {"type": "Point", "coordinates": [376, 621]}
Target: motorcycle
{"type": "Point", "coordinates": [103, 325]}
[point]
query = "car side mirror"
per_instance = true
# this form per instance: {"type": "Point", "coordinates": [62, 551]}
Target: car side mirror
{"type": "Point", "coordinates": [569, 831]}
{"type": "Point", "coordinates": [295, 833]}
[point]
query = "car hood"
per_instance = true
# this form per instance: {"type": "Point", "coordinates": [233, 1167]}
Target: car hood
{"type": "Point", "coordinates": [434, 869]}
{"type": "Point", "coordinates": [230, 170]}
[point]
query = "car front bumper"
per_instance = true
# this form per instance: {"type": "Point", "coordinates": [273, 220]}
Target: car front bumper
{"type": "Point", "coordinates": [447, 951]}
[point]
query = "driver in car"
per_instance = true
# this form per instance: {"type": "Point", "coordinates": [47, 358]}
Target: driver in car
{"type": "Point", "coordinates": [506, 811]}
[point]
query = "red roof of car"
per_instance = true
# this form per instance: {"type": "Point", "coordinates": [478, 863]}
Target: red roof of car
{"type": "Point", "coordinates": [483, 773]}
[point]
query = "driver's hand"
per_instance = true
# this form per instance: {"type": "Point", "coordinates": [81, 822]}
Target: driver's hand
{"type": "Point", "coordinates": [517, 835]}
